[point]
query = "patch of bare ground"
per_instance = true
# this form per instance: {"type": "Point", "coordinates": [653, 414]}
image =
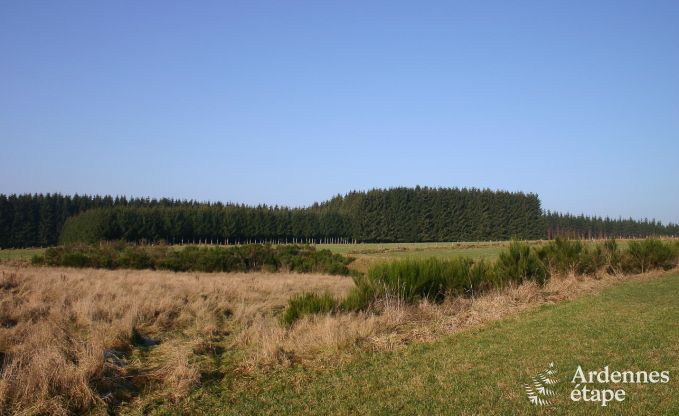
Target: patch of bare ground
{"type": "Point", "coordinates": [75, 340]}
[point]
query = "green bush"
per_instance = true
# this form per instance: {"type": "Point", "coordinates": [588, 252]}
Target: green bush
{"type": "Point", "coordinates": [76, 259]}
{"type": "Point", "coordinates": [519, 264]}
{"type": "Point", "coordinates": [645, 255]}
{"type": "Point", "coordinates": [604, 257]}
{"type": "Point", "coordinates": [482, 277]}
{"type": "Point", "coordinates": [359, 297]}
{"type": "Point", "coordinates": [52, 257]}
{"type": "Point", "coordinates": [253, 257]}
{"type": "Point", "coordinates": [563, 256]}
{"type": "Point", "coordinates": [134, 258]}
{"type": "Point", "coordinates": [412, 279]}
{"type": "Point", "coordinates": [308, 304]}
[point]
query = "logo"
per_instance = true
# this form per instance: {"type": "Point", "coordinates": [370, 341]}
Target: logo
{"type": "Point", "coordinates": [540, 390]}
{"type": "Point", "coordinates": [590, 386]}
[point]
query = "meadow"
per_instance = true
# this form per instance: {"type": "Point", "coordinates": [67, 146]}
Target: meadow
{"type": "Point", "coordinates": [83, 340]}
{"type": "Point", "coordinates": [21, 254]}
{"type": "Point", "coordinates": [481, 369]}
{"type": "Point", "coordinates": [369, 250]}
{"type": "Point", "coordinates": [368, 253]}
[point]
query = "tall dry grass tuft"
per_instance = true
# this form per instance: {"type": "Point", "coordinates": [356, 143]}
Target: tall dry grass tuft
{"type": "Point", "coordinates": [392, 324]}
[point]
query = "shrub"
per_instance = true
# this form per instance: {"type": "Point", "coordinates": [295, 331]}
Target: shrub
{"type": "Point", "coordinates": [52, 257]}
{"type": "Point", "coordinates": [134, 258]}
{"type": "Point", "coordinates": [642, 256]}
{"type": "Point", "coordinates": [603, 257]}
{"type": "Point", "coordinates": [308, 304]}
{"type": "Point", "coordinates": [518, 264]}
{"type": "Point", "coordinates": [76, 259]}
{"type": "Point", "coordinates": [411, 280]}
{"type": "Point", "coordinates": [563, 256]}
{"type": "Point", "coordinates": [360, 297]}
{"type": "Point", "coordinates": [253, 257]}
{"type": "Point", "coordinates": [481, 277]}
{"type": "Point", "coordinates": [364, 294]}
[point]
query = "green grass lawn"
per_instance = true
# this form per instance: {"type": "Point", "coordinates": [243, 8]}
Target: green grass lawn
{"type": "Point", "coordinates": [20, 253]}
{"type": "Point", "coordinates": [632, 326]}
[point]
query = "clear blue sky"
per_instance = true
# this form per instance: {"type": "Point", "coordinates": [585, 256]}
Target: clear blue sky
{"type": "Point", "coordinates": [291, 102]}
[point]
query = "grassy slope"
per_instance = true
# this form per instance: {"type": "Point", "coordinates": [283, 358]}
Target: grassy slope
{"type": "Point", "coordinates": [632, 326]}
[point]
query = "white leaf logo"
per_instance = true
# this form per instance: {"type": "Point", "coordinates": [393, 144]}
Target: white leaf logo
{"type": "Point", "coordinates": [538, 391]}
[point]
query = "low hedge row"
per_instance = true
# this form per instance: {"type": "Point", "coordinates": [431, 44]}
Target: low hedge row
{"type": "Point", "coordinates": [245, 258]}
{"type": "Point", "coordinates": [411, 280]}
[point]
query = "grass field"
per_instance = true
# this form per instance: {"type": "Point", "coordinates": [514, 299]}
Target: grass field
{"type": "Point", "coordinates": [364, 254]}
{"type": "Point", "coordinates": [142, 341]}
{"type": "Point", "coordinates": [20, 254]}
{"type": "Point", "coordinates": [632, 326]}
{"type": "Point", "coordinates": [367, 254]}
{"type": "Point", "coordinates": [371, 251]}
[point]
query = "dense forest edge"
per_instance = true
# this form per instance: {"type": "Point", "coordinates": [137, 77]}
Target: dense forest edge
{"type": "Point", "coordinates": [420, 214]}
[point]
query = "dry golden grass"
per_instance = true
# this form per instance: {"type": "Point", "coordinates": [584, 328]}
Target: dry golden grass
{"type": "Point", "coordinates": [74, 339]}
{"type": "Point", "coordinates": [323, 339]}
{"type": "Point", "coordinates": [67, 336]}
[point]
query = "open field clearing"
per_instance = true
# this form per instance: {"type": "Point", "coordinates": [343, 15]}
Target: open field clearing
{"type": "Point", "coordinates": [130, 341]}
{"type": "Point", "coordinates": [372, 251]}
{"type": "Point", "coordinates": [367, 254]}
{"type": "Point", "coordinates": [632, 326]}
{"type": "Point", "coordinates": [239, 208]}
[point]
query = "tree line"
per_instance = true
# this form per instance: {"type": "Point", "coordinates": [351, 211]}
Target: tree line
{"type": "Point", "coordinates": [31, 220]}
{"type": "Point", "coordinates": [393, 215]}
{"type": "Point", "coordinates": [439, 214]}
{"type": "Point", "coordinates": [225, 224]}
{"type": "Point", "coordinates": [586, 227]}
{"type": "Point", "coordinates": [381, 215]}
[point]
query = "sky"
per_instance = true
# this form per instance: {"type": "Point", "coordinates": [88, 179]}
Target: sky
{"type": "Point", "coordinates": [291, 102]}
